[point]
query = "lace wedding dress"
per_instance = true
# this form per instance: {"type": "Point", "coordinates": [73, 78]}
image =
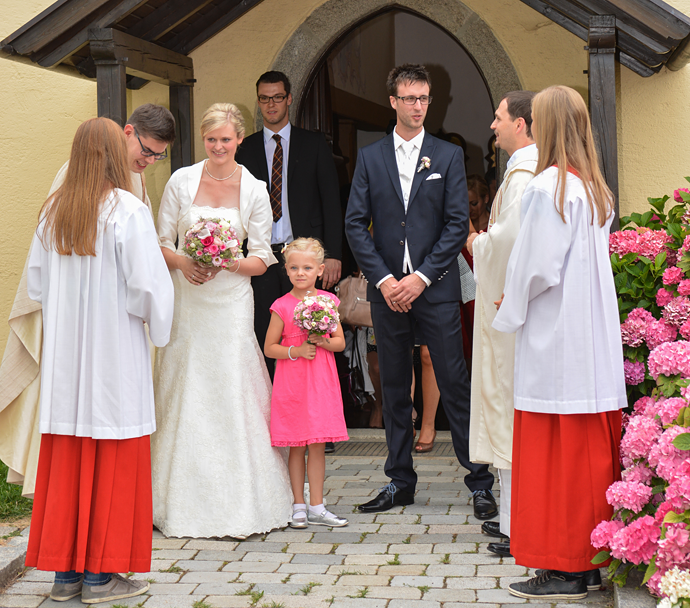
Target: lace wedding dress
{"type": "Point", "coordinates": [215, 473]}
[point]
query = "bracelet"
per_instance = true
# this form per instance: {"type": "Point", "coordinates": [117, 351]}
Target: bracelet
{"type": "Point", "coordinates": [238, 266]}
{"type": "Point", "coordinates": [290, 356]}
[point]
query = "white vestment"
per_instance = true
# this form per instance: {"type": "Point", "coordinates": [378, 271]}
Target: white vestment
{"type": "Point", "coordinates": [96, 381]}
{"type": "Point", "coordinates": [19, 372]}
{"type": "Point", "coordinates": [561, 300]}
{"type": "Point", "coordinates": [493, 352]}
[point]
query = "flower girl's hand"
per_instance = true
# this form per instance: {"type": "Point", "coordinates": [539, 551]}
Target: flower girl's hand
{"type": "Point", "coordinates": [318, 340]}
{"type": "Point", "coordinates": [306, 350]}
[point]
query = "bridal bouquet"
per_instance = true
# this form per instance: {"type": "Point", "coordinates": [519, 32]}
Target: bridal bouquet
{"type": "Point", "coordinates": [212, 242]}
{"type": "Point", "coordinates": [317, 314]}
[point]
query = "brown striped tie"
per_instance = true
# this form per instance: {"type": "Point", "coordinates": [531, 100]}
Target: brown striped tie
{"type": "Point", "coordinates": [277, 180]}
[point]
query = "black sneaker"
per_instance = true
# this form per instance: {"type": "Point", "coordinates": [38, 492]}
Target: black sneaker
{"type": "Point", "coordinates": [592, 578]}
{"type": "Point", "coordinates": [551, 585]}
{"type": "Point", "coordinates": [330, 447]}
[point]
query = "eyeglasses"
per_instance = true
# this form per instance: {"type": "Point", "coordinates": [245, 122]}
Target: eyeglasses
{"type": "Point", "coordinates": [275, 98]}
{"type": "Point", "coordinates": [410, 100]}
{"type": "Point", "coordinates": [149, 153]}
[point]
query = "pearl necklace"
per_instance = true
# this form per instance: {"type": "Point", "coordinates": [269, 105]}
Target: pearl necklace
{"type": "Point", "coordinates": [220, 179]}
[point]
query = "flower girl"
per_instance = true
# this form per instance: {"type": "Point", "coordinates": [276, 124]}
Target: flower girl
{"type": "Point", "coordinates": [306, 406]}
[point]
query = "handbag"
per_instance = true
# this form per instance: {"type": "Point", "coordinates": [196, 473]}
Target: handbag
{"type": "Point", "coordinates": [356, 376]}
{"type": "Point", "coordinates": [354, 308]}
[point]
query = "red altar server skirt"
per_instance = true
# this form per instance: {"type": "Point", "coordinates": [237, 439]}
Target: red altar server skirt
{"type": "Point", "coordinates": [562, 467]}
{"type": "Point", "coordinates": [92, 507]}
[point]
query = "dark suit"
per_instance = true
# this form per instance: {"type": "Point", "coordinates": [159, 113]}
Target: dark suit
{"type": "Point", "coordinates": [435, 226]}
{"type": "Point", "coordinates": [314, 208]}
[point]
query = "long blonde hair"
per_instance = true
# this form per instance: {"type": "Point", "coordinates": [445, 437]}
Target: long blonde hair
{"type": "Point", "coordinates": [564, 138]}
{"type": "Point", "coordinates": [97, 164]}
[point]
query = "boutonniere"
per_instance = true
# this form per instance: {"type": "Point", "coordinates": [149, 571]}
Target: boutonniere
{"type": "Point", "coordinates": [425, 163]}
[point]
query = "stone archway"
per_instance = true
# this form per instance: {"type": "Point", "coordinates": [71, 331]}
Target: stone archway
{"type": "Point", "coordinates": [316, 35]}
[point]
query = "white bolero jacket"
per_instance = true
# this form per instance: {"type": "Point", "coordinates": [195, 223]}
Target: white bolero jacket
{"type": "Point", "coordinates": [255, 210]}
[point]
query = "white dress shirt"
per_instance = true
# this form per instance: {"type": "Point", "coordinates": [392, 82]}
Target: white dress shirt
{"type": "Point", "coordinates": [406, 156]}
{"type": "Point", "coordinates": [282, 229]}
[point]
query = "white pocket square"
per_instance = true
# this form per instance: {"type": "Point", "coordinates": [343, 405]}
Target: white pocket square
{"type": "Point", "coordinates": [434, 176]}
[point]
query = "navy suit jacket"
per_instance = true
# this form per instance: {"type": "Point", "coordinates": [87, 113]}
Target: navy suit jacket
{"type": "Point", "coordinates": [436, 224]}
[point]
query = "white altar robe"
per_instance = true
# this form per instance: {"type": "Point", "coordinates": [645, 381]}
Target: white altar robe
{"type": "Point", "coordinates": [493, 352]}
{"type": "Point", "coordinates": [19, 371]}
{"type": "Point", "coordinates": [96, 379]}
{"type": "Point", "coordinates": [561, 300]}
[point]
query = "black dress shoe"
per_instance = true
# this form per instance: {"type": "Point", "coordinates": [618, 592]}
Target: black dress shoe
{"type": "Point", "coordinates": [493, 528]}
{"type": "Point", "coordinates": [330, 447]}
{"type": "Point", "coordinates": [389, 497]}
{"type": "Point", "coordinates": [552, 585]}
{"type": "Point", "coordinates": [484, 504]}
{"type": "Point", "coordinates": [592, 577]}
{"type": "Point", "coordinates": [502, 549]}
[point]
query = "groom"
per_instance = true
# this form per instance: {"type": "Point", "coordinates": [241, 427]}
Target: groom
{"type": "Point", "coordinates": [411, 187]}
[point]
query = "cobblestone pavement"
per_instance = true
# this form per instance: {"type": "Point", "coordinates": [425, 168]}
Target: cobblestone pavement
{"type": "Point", "coordinates": [428, 555]}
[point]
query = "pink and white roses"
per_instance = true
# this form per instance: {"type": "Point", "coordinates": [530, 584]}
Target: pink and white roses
{"type": "Point", "coordinates": [212, 242]}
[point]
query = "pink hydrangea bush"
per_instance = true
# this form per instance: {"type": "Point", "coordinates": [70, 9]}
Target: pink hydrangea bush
{"type": "Point", "coordinates": [650, 528]}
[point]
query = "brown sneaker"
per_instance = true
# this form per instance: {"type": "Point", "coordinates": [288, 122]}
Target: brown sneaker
{"type": "Point", "coordinates": [61, 592]}
{"type": "Point", "coordinates": [117, 588]}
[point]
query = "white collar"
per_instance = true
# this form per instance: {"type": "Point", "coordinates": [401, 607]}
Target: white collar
{"type": "Point", "coordinates": [415, 142]}
{"type": "Point", "coordinates": [521, 154]}
{"type": "Point", "coordinates": [284, 133]}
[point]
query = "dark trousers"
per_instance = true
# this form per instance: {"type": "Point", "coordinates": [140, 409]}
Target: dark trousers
{"type": "Point", "coordinates": [268, 287]}
{"type": "Point", "coordinates": [442, 328]}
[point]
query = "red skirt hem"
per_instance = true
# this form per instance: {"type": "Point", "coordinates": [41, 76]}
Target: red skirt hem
{"type": "Point", "coordinates": [92, 506]}
{"type": "Point", "coordinates": [562, 467]}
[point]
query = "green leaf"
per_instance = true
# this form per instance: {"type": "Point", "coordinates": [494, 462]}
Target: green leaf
{"type": "Point", "coordinates": [620, 280]}
{"type": "Point", "coordinates": [651, 569]}
{"type": "Point", "coordinates": [674, 230]}
{"type": "Point", "coordinates": [659, 259]}
{"type": "Point", "coordinates": [637, 218]}
{"type": "Point", "coordinates": [673, 518]}
{"type": "Point", "coordinates": [682, 441]}
{"type": "Point", "coordinates": [658, 489]}
{"type": "Point", "coordinates": [601, 557]}
{"type": "Point", "coordinates": [687, 179]}
{"type": "Point", "coordinates": [646, 217]}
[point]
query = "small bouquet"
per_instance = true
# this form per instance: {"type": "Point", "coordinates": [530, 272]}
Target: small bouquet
{"type": "Point", "coordinates": [317, 314]}
{"type": "Point", "coordinates": [212, 242]}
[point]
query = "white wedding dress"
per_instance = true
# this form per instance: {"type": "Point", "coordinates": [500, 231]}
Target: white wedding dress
{"type": "Point", "coordinates": [215, 473]}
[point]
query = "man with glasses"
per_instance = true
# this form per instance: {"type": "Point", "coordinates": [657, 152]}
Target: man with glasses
{"type": "Point", "coordinates": [412, 188]}
{"type": "Point", "coordinates": [149, 131]}
{"type": "Point", "coordinates": [298, 168]}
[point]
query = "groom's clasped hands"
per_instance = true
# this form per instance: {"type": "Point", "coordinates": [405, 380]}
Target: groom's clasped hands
{"type": "Point", "coordinates": [399, 295]}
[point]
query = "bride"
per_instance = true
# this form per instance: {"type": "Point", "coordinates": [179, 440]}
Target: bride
{"type": "Point", "coordinates": [214, 470]}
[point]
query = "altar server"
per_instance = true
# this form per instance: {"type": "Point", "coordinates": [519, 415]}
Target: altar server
{"type": "Point", "coordinates": [569, 384]}
{"type": "Point", "coordinates": [96, 269]}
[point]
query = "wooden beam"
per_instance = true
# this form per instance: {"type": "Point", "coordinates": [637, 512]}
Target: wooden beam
{"type": "Point", "coordinates": [51, 23]}
{"type": "Point", "coordinates": [141, 58]}
{"type": "Point", "coordinates": [216, 19]}
{"type": "Point", "coordinates": [165, 17]}
{"type": "Point", "coordinates": [52, 53]}
{"type": "Point", "coordinates": [571, 17]}
{"type": "Point", "coordinates": [602, 98]}
{"type": "Point", "coordinates": [181, 106]}
{"type": "Point", "coordinates": [111, 91]}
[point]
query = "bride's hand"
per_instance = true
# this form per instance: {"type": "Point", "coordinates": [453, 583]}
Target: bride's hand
{"type": "Point", "coordinates": [195, 273]}
{"type": "Point", "coordinates": [212, 272]}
